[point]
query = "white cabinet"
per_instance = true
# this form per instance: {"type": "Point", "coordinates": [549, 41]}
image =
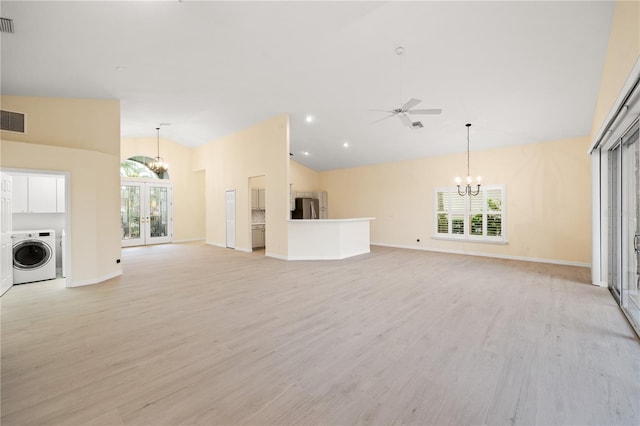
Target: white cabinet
{"type": "Point", "coordinates": [20, 202]}
{"type": "Point", "coordinates": [38, 194]}
{"type": "Point", "coordinates": [258, 199]}
{"type": "Point", "coordinates": [324, 205]}
{"type": "Point", "coordinates": [254, 199]}
{"type": "Point", "coordinates": [257, 236]}
{"type": "Point", "coordinates": [42, 194]}
{"type": "Point", "coordinates": [60, 194]}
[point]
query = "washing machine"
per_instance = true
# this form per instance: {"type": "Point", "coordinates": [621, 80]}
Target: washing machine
{"type": "Point", "coordinates": [34, 256]}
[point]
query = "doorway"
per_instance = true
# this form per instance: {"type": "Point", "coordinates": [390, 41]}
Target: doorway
{"type": "Point", "coordinates": [37, 202]}
{"type": "Point", "coordinates": [146, 212]}
{"type": "Point", "coordinates": [258, 203]}
{"type": "Point", "coordinates": [624, 228]}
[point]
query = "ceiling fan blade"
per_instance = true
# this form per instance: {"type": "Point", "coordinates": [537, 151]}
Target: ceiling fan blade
{"type": "Point", "coordinates": [410, 104]}
{"type": "Point", "coordinates": [381, 110]}
{"type": "Point", "coordinates": [383, 118]}
{"type": "Point", "coordinates": [405, 120]}
{"type": "Point", "coordinates": [425, 111]}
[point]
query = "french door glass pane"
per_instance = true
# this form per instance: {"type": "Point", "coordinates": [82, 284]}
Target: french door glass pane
{"type": "Point", "coordinates": [159, 211]}
{"type": "Point", "coordinates": [631, 227]}
{"type": "Point", "coordinates": [614, 222]}
{"type": "Point", "coordinates": [130, 211]}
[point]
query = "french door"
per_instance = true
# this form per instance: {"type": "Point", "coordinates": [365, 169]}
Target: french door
{"type": "Point", "coordinates": [624, 229]}
{"type": "Point", "coordinates": [146, 215]}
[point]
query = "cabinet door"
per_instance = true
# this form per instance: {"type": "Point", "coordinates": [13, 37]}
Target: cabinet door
{"type": "Point", "coordinates": [20, 201]}
{"type": "Point", "coordinates": [60, 194]}
{"type": "Point", "coordinates": [261, 199]}
{"type": "Point", "coordinates": [42, 194]}
{"type": "Point", "coordinates": [254, 199]}
{"type": "Point", "coordinates": [255, 238]}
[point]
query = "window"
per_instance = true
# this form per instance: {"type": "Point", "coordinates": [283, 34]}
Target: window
{"type": "Point", "coordinates": [479, 218]}
{"type": "Point", "coordinates": [137, 167]}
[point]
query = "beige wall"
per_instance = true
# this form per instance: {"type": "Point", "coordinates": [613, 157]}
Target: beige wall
{"type": "Point", "coordinates": [548, 199]}
{"type": "Point", "coordinates": [257, 182]}
{"type": "Point", "coordinates": [66, 122]}
{"type": "Point", "coordinates": [82, 137]}
{"type": "Point", "coordinates": [622, 53]}
{"type": "Point", "coordinates": [188, 185]}
{"type": "Point", "coordinates": [229, 162]}
{"type": "Point", "coordinates": [302, 178]}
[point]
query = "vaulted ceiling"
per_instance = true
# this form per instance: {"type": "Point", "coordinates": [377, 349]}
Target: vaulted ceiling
{"type": "Point", "coordinates": [520, 72]}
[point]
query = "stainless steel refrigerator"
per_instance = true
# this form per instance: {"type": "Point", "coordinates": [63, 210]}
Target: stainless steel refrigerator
{"type": "Point", "coordinates": [306, 208]}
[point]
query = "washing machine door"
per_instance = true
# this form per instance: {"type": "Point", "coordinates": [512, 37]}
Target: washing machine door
{"type": "Point", "coordinates": [31, 254]}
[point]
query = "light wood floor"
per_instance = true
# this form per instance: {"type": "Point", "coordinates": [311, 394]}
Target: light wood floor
{"type": "Point", "coordinates": [200, 335]}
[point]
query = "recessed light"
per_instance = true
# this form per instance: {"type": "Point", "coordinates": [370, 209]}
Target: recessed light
{"type": "Point", "coordinates": [346, 144]}
{"type": "Point", "coordinates": [306, 153]}
{"type": "Point", "coordinates": [309, 119]}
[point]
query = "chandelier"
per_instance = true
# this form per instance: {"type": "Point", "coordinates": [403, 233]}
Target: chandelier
{"type": "Point", "coordinates": [158, 165]}
{"type": "Point", "coordinates": [467, 189]}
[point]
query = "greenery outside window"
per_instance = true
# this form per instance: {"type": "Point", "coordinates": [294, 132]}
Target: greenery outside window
{"type": "Point", "coordinates": [479, 218]}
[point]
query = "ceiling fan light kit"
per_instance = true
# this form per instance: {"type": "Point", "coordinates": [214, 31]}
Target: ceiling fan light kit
{"type": "Point", "coordinates": [468, 180]}
{"type": "Point", "coordinates": [405, 110]}
{"type": "Point", "coordinates": [403, 113]}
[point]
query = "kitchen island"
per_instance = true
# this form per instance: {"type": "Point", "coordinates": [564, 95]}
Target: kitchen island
{"type": "Point", "coordinates": [322, 239]}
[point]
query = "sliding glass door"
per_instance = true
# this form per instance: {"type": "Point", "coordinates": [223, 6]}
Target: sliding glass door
{"type": "Point", "coordinates": [624, 228]}
{"type": "Point", "coordinates": [145, 212]}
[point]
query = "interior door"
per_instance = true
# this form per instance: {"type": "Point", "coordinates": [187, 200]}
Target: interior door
{"type": "Point", "coordinates": [145, 213]}
{"type": "Point", "coordinates": [230, 210]}
{"type": "Point", "coordinates": [6, 246]}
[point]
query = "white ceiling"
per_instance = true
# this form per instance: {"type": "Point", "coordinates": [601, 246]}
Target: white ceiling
{"type": "Point", "coordinates": [520, 72]}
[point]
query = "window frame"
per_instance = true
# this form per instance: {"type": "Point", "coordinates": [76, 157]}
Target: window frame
{"type": "Point", "coordinates": [468, 213]}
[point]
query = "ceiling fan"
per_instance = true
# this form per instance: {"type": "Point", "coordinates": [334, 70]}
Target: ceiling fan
{"type": "Point", "coordinates": [403, 113]}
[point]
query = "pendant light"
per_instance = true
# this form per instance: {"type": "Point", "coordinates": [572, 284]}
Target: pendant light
{"type": "Point", "coordinates": [467, 189]}
{"type": "Point", "coordinates": [158, 165]}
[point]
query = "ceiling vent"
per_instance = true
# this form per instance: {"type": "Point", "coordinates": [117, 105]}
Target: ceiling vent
{"type": "Point", "coordinates": [6, 25]}
{"type": "Point", "coordinates": [416, 125]}
{"type": "Point", "coordinates": [12, 121]}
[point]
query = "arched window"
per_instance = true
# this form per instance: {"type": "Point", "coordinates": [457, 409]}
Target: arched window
{"type": "Point", "coordinates": [137, 167]}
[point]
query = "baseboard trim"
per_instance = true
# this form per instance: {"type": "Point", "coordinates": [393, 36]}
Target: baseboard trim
{"type": "Point", "coordinates": [242, 249]}
{"type": "Point", "coordinates": [94, 281]}
{"type": "Point", "coordinates": [497, 256]}
{"type": "Point", "coordinates": [276, 256]}
{"type": "Point", "coordinates": [188, 240]}
{"type": "Point", "coordinates": [211, 243]}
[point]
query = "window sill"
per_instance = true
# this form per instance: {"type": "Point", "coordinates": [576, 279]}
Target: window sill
{"type": "Point", "coordinates": [470, 240]}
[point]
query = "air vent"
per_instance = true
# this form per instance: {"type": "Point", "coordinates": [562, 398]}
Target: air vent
{"type": "Point", "coordinates": [6, 25]}
{"type": "Point", "coordinates": [416, 125]}
{"type": "Point", "coordinates": [12, 121]}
